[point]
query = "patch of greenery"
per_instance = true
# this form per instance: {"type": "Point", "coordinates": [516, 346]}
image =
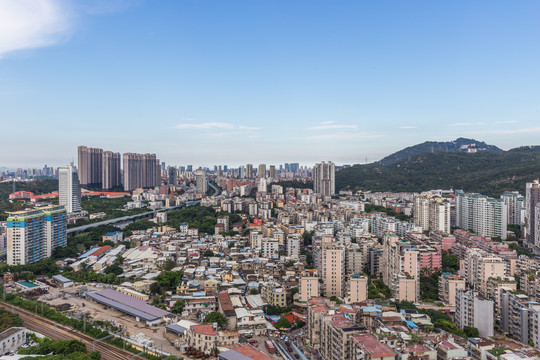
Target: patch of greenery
{"type": "Point", "coordinates": [296, 184]}
{"type": "Point", "coordinates": [450, 262]}
{"type": "Point", "coordinates": [216, 317]}
{"type": "Point", "coordinates": [8, 320]}
{"type": "Point", "coordinates": [38, 187]}
{"type": "Point", "coordinates": [429, 286]}
{"type": "Point", "coordinates": [376, 208]}
{"type": "Point", "coordinates": [489, 173]}
{"type": "Point", "coordinates": [55, 347]}
{"type": "Point", "coordinates": [283, 324]}
{"type": "Point", "coordinates": [203, 218]}
{"type": "Point", "coordinates": [378, 290]}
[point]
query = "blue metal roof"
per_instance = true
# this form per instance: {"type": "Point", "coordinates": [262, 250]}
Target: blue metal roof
{"type": "Point", "coordinates": [61, 279]}
{"type": "Point", "coordinates": [411, 324]}
{"type": "Point", "coordinates": [123, 308]}
{"type": "Point", "coordinates": [232, 355]}
{"type": "Point", "coordinates": [175, 328]}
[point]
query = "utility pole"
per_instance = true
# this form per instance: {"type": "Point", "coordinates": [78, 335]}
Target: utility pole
{"type": "Point", "coordinates": [84, 325]}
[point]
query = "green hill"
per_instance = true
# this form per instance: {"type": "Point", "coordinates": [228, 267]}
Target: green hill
{"type": "Point", "coordinates": [458, 145]}
{"type": "Point", "coordinates": [487, 172]}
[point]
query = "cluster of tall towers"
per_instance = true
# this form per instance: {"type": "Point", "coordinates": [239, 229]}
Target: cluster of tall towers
{"type": "Point", "coordinates": [101, 169]}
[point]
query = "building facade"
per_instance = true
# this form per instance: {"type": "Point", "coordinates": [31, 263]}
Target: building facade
{"type": "Point", "coordinates": [69, 189]}
{"type": "Point", "coordinates": [112, 172]}
{"type": "Point", "coordinates": [90, 166]}
{"type": "Point", "coordinates": [324, 174]}
{"type": "Point", "coordinates": [32, 235]}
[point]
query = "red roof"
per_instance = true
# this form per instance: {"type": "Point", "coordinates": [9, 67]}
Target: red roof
{"type": "Point", "coordinates": [225, 301]}
{"type": "Point", "coordinates": [251, 352]}
{"type": "Point", "coordinates": [204, 329]}
{"type": "Point", "coordinates": [373, 346]}
{"type": "Point", "coordinates": [100, 250]}
{"type": "Point", "coordinates": [291, 318]}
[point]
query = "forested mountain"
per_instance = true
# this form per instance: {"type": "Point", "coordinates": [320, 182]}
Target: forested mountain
{"type": "Point", "coordinates": [486, 172]}
{"type": "Point", "coordinates": [458, 145]}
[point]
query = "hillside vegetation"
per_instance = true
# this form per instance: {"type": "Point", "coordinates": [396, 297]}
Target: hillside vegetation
{"type": "Point", "coordinates": [489, 173]}
{"type": "Point", "coordinates": [438, 146]}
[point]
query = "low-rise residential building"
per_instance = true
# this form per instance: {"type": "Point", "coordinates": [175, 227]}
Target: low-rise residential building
{"type": "Point", "coordinates": [12, 339]}
{"type": "Point", "coordinates": [207, 338]}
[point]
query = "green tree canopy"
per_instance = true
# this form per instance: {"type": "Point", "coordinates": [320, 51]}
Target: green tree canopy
{"type": "Point", "coordinates": [178, 306]}
{"type": "Point", "coordinates": [169, 279]}
{"type": "Point", "coordinates": [283, 324]}
{"type": "Point", "coordinates": [471, 331]}
{"type": "Point", "coordinates": [216, 317]}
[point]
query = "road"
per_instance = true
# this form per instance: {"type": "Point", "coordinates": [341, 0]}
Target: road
{"type": "Point", "coordinates": [216, 190]}
{"type": "Point", "coordinates": [136, 216]}
{"type": "Point", "coordinates": [289, 355]}
{"type": "Point", "coordinates": [57, 331]}
{"type": "Point", "coordinates": [131, 217]}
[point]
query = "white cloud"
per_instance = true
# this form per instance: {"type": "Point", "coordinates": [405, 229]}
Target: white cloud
{"type": "Point", "coordinates": [466, 124]}
{"type": "Point", "coordinates": [333, 126]}
{"type": "Point", "coordinates": [205, 126]}
{"type": "Point", "coordinates": [343, 136]}
{"type": "Point", "coordinates": [242, 127]}
{"type": "Point", "coordinates": [29, 24]}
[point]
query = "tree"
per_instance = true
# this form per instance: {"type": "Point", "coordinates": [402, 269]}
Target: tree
{"type": "Point", "coordinates": [114, 269]}
{"type": "Point", "coordinates": [216, 317]}
{"type": "Point", "coordinates": [208, 253]}
{"type": "Point", "coordinates": [429, 285]}
{"type": "Point", "coordinates": [169, 279]}
{"type": "Point", "coordinates": [254, 292]}
{"type": "Point", "coordinates": [290, 294]}
{"type": "Point", "coordinates": [283, 324]}
{"type": "Point", "coordinates": [471, 331]}
{"type": "Point", "coordinates": [168, 265]}
{"type": "Point", "coordinates": [155, 288]}
{"type": "Point", "coordinates": [178, 307]}
{"type": "Point", "coordinates": [450, 262]}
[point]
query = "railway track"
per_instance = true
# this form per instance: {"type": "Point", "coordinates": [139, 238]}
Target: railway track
{"type": "Point", "coordinates": [61, 332]}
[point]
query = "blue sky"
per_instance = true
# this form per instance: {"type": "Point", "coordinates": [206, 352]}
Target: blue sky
{"type": "Point", "coordinates": [235, 82]}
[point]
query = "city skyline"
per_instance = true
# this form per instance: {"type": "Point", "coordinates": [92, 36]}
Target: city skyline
{"type": "Point", "coordinates": [203, 83]}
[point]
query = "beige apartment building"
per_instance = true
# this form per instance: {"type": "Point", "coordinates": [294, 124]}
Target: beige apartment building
{"type": "Point", "coordinates": [432, 212]}
{"type": "Point", "coordinates": [336, 336]}
{"type": "Point", "coordinates": [496, 284]}
{"type": "Point", "coordinates": [449, 284]}
{"type": "Point", "coordinates": [274, 294]}
{"type": "Point", "coordinates": [309, 288]}
{"type": "Point", "coordinates": [480, 266]}
{"type": "Point", "coordinates": [400, 268]}
{"type": "Point", "coordinates": [357, 288]}
{"type": "Point", "coordinates": [332, 267]}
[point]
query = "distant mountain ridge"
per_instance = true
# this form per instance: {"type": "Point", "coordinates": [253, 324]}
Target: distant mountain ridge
{"type": "Point", "coordinates": [487, 172]}
{"type": "Point", "coordinates": [458, 145]}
